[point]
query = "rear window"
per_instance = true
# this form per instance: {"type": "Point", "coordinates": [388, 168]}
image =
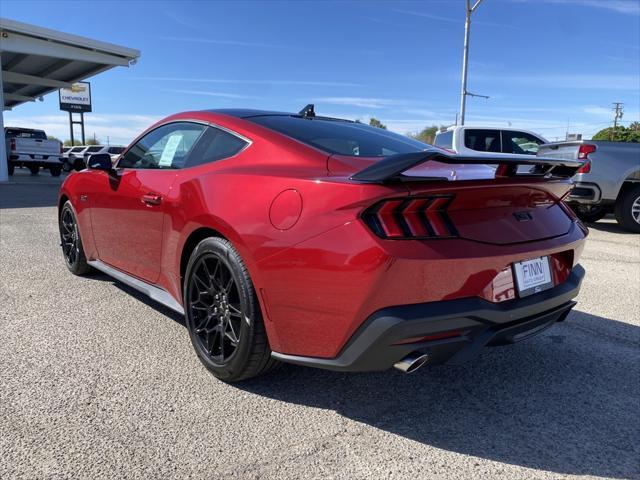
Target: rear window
{"type": "Point", "coordinates": [444, 140]}
{"type": "Point", "coordinates": [341, 137]}
{"type": "Point", "coordinates": [94, 149]}
{"type": "Point", "coordinates": [77, 149]}
{"type": "Point", "coordinates": [19, 133]}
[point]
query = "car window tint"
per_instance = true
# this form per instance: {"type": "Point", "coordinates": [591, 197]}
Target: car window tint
{"type": "Point", "coordinates": [520, 142]}
{"type": "Point", "coordinates": [77, 149]}
{"type": "Point", "coordinates": [482, 140]}
{"type": "Point", "coordinates": [444, 140]}
{"type": "Point", "coordinates": [167, 146]}
{"type": "Point", "coordinates": [215, 144]}
{"type": "Point", "coordinates": [341, 137]}
{"type": "Point", "coordinates": [93, 149]}
{"type": "Point", "coordinates": [116, 150]}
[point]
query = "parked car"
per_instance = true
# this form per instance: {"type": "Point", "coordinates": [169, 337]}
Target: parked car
{"type": "Point", "coordinates": [325, 242]}
{"type": "Point", "coordinates": [74, 158]}
{"type": "Point", "coordinates": [609, 182]}
{"type": "Point", "coordinates": [27, 147]}
{"type": "Point", "coordinates": [488, 141]}
{"type": "Point", "coordinates": [113, 151]}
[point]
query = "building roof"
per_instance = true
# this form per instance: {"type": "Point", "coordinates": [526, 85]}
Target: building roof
{"type": "Point", "coordinates": [36, 61]}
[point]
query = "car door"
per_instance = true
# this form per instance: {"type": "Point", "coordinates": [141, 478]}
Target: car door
{"type": "Point", "coordinates": [128, 209]}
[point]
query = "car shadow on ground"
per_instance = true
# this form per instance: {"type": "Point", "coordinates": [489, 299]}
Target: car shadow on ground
{"type": "Point", "coordinates": [563, 402]}
{"type": "Point", "coordinates": [608, 227]}
{"type": "Point", "coordinates": [551, 403]}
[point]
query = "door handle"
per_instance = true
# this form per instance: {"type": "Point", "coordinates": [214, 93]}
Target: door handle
{"type": "Point", "coordinates": [151, 199]}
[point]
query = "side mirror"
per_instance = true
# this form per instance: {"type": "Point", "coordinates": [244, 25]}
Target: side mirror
{"type": "Point", "coordinates": [100, 161]}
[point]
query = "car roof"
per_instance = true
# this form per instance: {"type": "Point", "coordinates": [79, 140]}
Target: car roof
{"type": "Point", "coordinates": [248, 112]}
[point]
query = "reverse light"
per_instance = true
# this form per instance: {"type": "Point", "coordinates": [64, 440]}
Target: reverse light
{"type": "Point", "coordinates": [411, 218]}
{"type": "Point", "coordinates": [583, 154]}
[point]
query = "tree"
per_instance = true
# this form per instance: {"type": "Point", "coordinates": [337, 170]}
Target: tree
{"type": "Point", "coordinates": [620, 134]}
{"type": "Point", "coordinates": [427, 134]}
{"type": "Point", "coordinates": [374, 122]}
{"type": "Point", "coordinates": [51, 137]}
{"type": "Point", "coordinates": [93, 141]}
{"type": "Point", "coordinates": [67, 143]}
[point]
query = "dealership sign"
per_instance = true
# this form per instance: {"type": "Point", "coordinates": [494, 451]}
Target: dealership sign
{"type": "Point", "coordinates": [77, 98]}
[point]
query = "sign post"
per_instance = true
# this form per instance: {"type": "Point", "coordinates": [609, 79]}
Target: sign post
{"type": "Point", "coordinates": [76, 99]}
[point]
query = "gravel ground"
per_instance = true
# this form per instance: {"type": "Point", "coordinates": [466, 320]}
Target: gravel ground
{"type": "Point", "coordinates": [97, 382]}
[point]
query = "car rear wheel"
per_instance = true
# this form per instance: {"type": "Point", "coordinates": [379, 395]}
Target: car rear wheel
{"type": "Point", "coordinates": [590, 213]}
{"type": "Point", "coordinates": [71, 242]}
{"type": "Point", "coordinates": [222, 313]}
{"type": "Point", "coordinates": [55, 170]}
{"type": "Point", "coordinates": [627, 209]}
{"type": "Point", "coordinates": [34, 170]}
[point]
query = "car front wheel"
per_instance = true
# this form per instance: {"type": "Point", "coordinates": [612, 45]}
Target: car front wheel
{"type": "Point", "coordinates": [222, 313]}
{"type": "Point", "coordinates": [71, 242]}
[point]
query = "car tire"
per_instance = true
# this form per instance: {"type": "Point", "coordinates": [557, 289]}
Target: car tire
{"type": "Point", "coordinates": [222, 313]}
{"type": "Point", "coordinates": [589, 213]}
{"type": "Point", "coordinates": [71, 242]}
{"type": "Point", "coordinates": [34, 170]}
{"type": "Point", "coordinates": [66, 167]}
{"type": "Point", "coordinates": [55, 171]}
{"type": "Point", "coordinates": [10, 168]}
{"type": "Point", "coordinates": [627, 210]}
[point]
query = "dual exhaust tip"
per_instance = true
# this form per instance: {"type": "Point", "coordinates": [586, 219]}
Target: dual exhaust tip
{"type": "Point", "coordinates": [412, 362]}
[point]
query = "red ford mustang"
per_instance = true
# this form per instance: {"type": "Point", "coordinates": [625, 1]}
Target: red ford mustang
{"type": "Point", "coordinates": [326, 242]}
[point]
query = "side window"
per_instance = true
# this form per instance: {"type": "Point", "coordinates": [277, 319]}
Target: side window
{"type": "Point", "coordinates": [482, 140]}
{"type": "Point", "coordinates": [444, 140]}
{"type": "Point", "coordinates": [520, 142]}
{"type": "Point", "coordinates": [167, 146]}
{"type": "Point", "coordinates": [215, 144]}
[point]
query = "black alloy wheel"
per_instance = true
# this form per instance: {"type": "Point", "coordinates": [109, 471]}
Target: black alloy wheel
{"type": "Point", "coordinates": [222, 313]}
{"type": "Point", "coordinates": [70, 241]}
{"type": "Point", "coordinates": [215, 308]}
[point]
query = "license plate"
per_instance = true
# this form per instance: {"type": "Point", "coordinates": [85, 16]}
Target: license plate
{"type": "Point", "coordinates": [38, 157]}
{"type": "Point", "coordinates": [532, 276]}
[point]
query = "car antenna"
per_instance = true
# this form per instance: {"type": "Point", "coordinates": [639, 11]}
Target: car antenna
{"type": "Point", "coordinates": [307, 112]}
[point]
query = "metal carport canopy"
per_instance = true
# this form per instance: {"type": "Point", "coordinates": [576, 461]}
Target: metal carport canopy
{"type": "Point", "coordinates": [35, 61]}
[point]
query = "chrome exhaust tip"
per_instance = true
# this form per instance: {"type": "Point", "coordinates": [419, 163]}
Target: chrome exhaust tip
{"type": "Point", "coordinates": [412, 362]}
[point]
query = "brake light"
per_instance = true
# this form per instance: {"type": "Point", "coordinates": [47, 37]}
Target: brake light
{"type": "Point", "coordinates": [416, 217]}
{"type": "Point", "coordinates": [12, 144]}
{"type": "Point", "coordinates": [583, 154]}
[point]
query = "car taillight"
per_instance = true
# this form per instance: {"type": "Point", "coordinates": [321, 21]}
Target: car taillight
{"type": "Point", "coordinates": [583, 154]}
{"type": "Point", "coordinates": [415, 217]}
{"type": "Point", "coordinates": [12, 144]}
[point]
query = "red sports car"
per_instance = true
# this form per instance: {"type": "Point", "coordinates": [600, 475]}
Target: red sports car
{"type": "Point", "coordinates": [326, 242]}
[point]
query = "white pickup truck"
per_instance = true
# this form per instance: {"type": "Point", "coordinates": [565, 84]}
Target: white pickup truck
{"type": "Point", "coordinates": [30, 148]}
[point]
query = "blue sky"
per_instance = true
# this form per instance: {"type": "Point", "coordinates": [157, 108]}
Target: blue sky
{"type": "Point", "coordinates": [544, 63]}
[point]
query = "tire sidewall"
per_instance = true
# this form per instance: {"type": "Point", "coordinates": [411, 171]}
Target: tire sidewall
{"type": "Point", "coordinates": [230, 258]}
{"type": "Point", "coordinates": [624, 214]}
{"type": "Point", "coordinates": [76, 267]}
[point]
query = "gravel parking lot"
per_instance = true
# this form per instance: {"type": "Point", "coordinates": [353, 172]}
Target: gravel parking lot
{"type": "Point", "coordinates": [98, 382]}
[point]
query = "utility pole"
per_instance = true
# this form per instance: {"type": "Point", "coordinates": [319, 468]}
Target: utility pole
{"type": "Point", "coordinates": [465, 57]}
{"type": "Point", "coordinates": [617, 114]}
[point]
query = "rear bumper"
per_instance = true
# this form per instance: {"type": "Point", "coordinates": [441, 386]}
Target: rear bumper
{"type": "Point", "coordinates": [31, 159]}
{"type": "Point", "coordinates": [374, 346]}
{"type": "Point", "coordinates": [585, 193]}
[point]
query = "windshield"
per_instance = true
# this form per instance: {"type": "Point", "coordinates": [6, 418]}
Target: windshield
{"type": "Point", "coordinates": [340, 136]}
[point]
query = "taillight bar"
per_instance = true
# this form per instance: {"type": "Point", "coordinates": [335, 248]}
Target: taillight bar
{"type": "Point", "coordinates": [411, 218]}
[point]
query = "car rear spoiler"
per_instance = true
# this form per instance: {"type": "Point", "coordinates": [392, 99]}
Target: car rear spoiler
{"type": "Point", "coordinates": [391, 168]}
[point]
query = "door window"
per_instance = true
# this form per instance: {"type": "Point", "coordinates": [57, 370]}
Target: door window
{"type": "Point", "coordinates": [215, 144]}
{"type": "Point", "coordinates": [482, 140]}
{"type": "Point", "coordinates": [166, 147]}
{"type": "Point", "coordinates": [520, 142]}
